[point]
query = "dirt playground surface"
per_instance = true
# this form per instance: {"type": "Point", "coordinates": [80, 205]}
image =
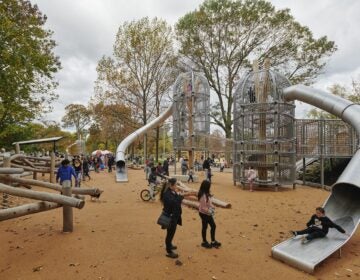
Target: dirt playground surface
{"type": "Point", "coordinates": [117, 237]}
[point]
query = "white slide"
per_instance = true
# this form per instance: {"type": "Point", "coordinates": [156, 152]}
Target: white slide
{"type": "Point", "coordinates": [343, 205]}
{"type": "Point", "coordinates": [121, 170]}
{"type": "Point", "coordinates": [308, 161]}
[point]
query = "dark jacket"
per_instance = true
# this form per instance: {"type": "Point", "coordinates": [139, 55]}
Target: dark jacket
{"type": "Point", "coordinates": [152, 178]}
{"type": "Point", "coordinates": [166, 166]}
{"type": "Point", "coordinates": [172, 205]}
{"type": "Point", "coordinates": [324, 225]}
{"type": "Point", "coordinates": [206, 164]}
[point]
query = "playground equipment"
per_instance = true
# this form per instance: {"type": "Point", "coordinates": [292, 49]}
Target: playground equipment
{"type": "Point", "coordinates": [191, 101]}
{"type": "Point", "coordinates": [191, 120]}
{"type": "Point", "coordinates": [342, 206]}
{"type": "Point", "coordinates": [264, 129]}
{"type": "Point", "coordinates": [10, 177]}
{"type": "Point", "coordinates": [121, 169]}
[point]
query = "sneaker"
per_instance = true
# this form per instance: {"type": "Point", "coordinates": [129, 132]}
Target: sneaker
{"type": "Point", "coordinates": [215, 244]}
{"type": "Point", "coordinates": [293, 233]}
{"type": "Point", "coordinates": [172, 255]}
{"type": "Point", "coordinates": [304, 240]}
{"type": "Point", "coordinates": [206, 245]}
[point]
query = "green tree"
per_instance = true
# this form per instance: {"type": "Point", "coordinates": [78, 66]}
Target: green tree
{"type": "Point", "coordinates": [221, 38]}
{"type": "Point", "coordinates": [114, 122]}
{"type": "Point", "coordinates": [22, 132]}
{"type": "Point", "coordinates": [143, 54]}
{"type": "Point", "coordinates": [78, 116]}
{"type": "Point", "coordinates": [27, 63]}
{"type": "Point", "coordinates": [351, 93]}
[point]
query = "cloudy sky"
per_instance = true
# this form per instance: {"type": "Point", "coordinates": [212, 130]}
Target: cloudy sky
{"type": "Point", "coordinates": [85, 31]}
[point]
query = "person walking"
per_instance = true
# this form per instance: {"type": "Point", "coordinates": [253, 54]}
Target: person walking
{"type": "Point", "coordinates": [172, 207]}
{"type": "Point", "coordinates": [206, 213]}
{"type": "Point", "coordinates": [65, 172]}
{"type": "Point", "coordinates": [86, 169]}
{"type": "Point", "coordinates": [166, 166]}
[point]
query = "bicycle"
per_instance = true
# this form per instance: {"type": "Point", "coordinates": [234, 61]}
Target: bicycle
{"type": "Point", "coordinates": [145, 193]}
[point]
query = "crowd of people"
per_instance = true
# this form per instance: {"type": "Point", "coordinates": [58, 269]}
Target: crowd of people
{"type": "Point", "coordinates": [80, 167]}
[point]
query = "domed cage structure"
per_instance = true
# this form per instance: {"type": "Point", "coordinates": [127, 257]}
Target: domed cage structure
{"type": "Point", "coordinates": [191, 120]}
{"type": "Point", "coordinates": [264, 130]}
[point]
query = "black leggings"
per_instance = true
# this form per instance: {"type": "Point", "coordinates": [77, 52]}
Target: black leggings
{"type": "Point", "coordinates": [205, 220]}
{"type": "Point", "coordinates": [170, 235]}
{"type": "Point", "coordinates": [313, 232]}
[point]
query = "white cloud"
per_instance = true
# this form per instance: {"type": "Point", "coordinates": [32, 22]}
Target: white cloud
{"type": "Point", "coordinates": [85, 31]}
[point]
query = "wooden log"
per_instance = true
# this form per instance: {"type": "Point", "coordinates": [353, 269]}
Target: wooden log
{"type": "Point", "coordinates": [28, 162]}
{"type": "Point", "coordinates": [26, 182]}
{"type": "Point", "coordinates": [52, 197]}
{"type": "Point", "coordinates": [17, 148]}
{"type": "Point", "coordinates": [190, 203]}
{"type": "Point", "coordinates": [220, 203]}
{"type": "Point", "coordinates": [32, 208]}
{"type": "Point", "coordinates": [9, 170]}
{"type": "Point", "coordinates": [52, 168]}
{"type": "Point", "coordinates": [215, 201]}
{"type": "Point", "coordinates": [5, 196]}
{"type": "Point", "coordinates": [67, 211]}
{"type": "Point", "coordinates": [28, 168]}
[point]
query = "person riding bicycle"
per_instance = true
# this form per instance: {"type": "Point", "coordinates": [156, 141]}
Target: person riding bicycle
{"type": "Point", "coordinates": [152, 182]}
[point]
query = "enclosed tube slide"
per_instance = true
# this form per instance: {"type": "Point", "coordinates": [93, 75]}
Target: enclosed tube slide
{"type": "Point", "coordinates": [343, 205]}
{"type": "Point", "coordinates": [121, 170]}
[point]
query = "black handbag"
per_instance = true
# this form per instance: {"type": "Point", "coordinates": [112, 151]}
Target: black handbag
{"type": "Point", "coordinates": [164, 220]}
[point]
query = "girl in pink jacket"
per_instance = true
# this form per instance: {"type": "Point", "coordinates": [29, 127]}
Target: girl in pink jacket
{"type": "Point", "coordinates": [206, 212]}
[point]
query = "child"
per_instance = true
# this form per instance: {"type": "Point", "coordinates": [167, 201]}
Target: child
{"type": "Point", "coordinates": [251, 175]}
{"type": "Point", "coordinates": [191, 172]}
{"type": "Point", "coordinates": [206, 213]}
{"type": "Point", "coordinates": [152, 182]}
{"type": "Point", "coordinates": [65, 172]}
{"type": "Point", "coordinates": [317, 227]}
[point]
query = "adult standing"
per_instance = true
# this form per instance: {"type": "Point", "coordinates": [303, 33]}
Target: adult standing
{"type": "Point", "coordinates": [206, 167]}
{"type": "Point", "coordinates": [166, 167]}
{"type": "Point", "coordinates": [172, 207]}
{"type": "Point", "coordinates": [206, 212]}
{"type": "Point", "coordinates": [78, 170]}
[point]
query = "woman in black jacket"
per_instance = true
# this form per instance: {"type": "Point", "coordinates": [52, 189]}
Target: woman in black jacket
{"type": "Point", "coordinates": [172, 207]}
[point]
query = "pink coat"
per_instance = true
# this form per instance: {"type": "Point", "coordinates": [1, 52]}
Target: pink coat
{"type": "Point", "coordinates": [205, 206]}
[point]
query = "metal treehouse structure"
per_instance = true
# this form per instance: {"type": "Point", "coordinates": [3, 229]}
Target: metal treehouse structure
{"type": "Point", "coordinates": [264, 130]}
{"type": "Point", "coordinates": [191, 120]}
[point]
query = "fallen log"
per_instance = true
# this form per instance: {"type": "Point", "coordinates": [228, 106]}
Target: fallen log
{"type": "Point", "coordinates": [9, 170]}
{"type": "Point", "coordinates": [52, 197]}
{"type": "Point", "coordinates": [191, 203]}
{"type": "Point", "coordinates": [84, 191]}
{"type": "Point", "coordinates": [32, 208]}
{"type": "Point", "coordinates": [215, 201]}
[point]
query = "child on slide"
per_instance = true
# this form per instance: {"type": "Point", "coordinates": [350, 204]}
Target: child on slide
{"type": "Point", "coordinates": [317, 227]}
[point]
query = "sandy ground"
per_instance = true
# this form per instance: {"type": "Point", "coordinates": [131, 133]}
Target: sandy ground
{"type": "Point", "coordinates": [118, 238]}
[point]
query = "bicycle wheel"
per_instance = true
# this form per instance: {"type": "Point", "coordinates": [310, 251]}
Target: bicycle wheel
{"type": "Point", "coordinates": [145, 195]}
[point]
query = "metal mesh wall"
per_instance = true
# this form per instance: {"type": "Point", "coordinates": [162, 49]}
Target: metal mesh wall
{"type": "Point", "coordinates": [191, 121]}
{"type": "Point", "coordinates": [264, 134]}
{"type": "Point", "coordinates": [327, 138]}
